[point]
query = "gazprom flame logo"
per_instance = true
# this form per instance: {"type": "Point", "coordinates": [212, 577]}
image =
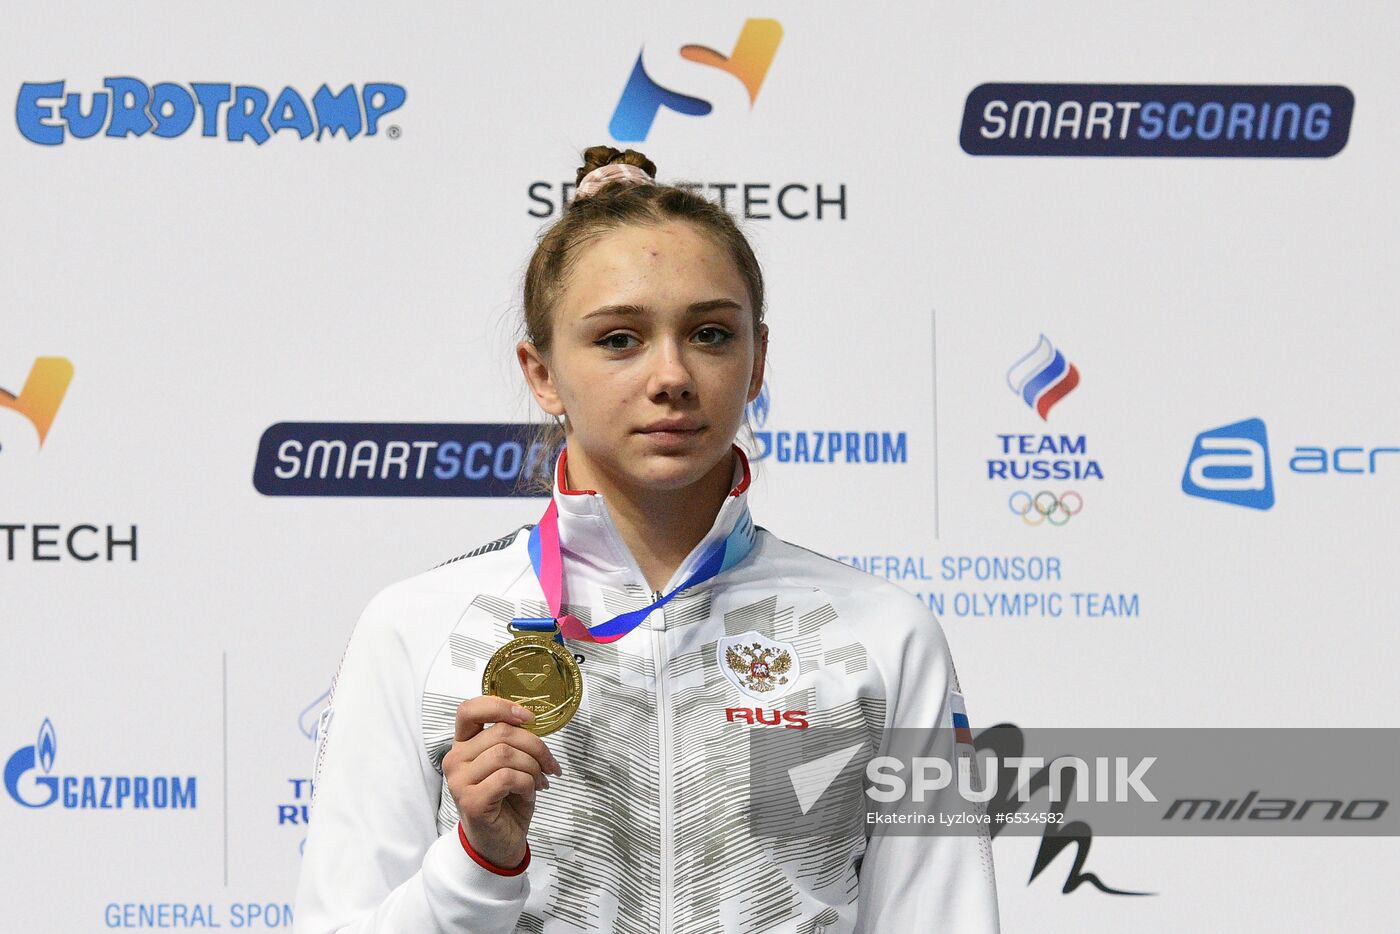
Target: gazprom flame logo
{"type": "Point", "coordinates": [643, 97]}
{"type": "Point", "coordinates": [42, 394]}
{"type": "Point", "coordinates": [759, 407]}
{"type": "Point", "coordinates": [25, 759]}
{"type": "Point", "coordinates": [47, 746]}
{"type": "Point", "coordinates": [1042, 377]}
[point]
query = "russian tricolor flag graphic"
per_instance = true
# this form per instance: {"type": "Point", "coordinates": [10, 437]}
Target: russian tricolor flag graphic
{"type": "Point", "coordinates": [962, 731]}
{"type": "Point", "coordinates": [1042, 377]}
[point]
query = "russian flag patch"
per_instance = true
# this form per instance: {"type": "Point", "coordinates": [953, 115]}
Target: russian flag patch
{"type": "Point", "coordinates": [962, 731]}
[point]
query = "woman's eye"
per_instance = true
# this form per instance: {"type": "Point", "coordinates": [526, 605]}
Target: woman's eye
{"type": "Point", "coordinates": [618, 341]}
{"type": "Point", "coordinates": [712, 335]}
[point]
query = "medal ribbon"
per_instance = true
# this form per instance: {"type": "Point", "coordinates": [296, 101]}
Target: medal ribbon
{"type": "Point", "coordinates": [548, 561]}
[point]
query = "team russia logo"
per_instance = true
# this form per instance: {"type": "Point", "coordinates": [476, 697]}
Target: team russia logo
{"type": "Point", "coordinates": [1042, 377]}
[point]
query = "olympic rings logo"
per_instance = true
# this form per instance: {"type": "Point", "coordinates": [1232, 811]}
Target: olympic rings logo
{"type": "Point", "coordinates": [1046, 507]}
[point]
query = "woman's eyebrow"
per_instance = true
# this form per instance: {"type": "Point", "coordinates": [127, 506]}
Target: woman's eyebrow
{"type": "Point", "coordinates": [695, 308]}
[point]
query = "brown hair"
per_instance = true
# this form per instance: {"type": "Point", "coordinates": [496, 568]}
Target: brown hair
{"type": "Point", "coordinates": [613, 206]}
{"type": "Point", "coordinates": [617, 205]}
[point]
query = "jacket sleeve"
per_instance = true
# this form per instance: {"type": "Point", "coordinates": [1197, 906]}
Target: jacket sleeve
{"type": "Point", "coordinates": [373, 860]}
{"type": "Point", "coordinates": [938, 882]}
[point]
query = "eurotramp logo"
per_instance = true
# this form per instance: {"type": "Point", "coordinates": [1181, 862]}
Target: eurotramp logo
{"type": "Point", "coordinates": [42, 394]}
{"type": "Point", "coordinates": [47, 115]}
{"type": "Point", "coordinates": [642, 97]}
{"type": "Point", "coordinates": [31, 782]}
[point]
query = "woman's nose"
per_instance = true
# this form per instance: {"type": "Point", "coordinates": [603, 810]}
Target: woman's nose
{"type": "Point", "coordinates": [670, 377]}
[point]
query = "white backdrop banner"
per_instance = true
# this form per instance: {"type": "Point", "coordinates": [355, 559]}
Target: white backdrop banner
{"type": "Point", "coordinates": [1085, 312]}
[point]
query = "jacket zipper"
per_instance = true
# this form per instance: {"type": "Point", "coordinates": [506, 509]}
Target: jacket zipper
{"type": "Point", "coordinates": [663, 715]}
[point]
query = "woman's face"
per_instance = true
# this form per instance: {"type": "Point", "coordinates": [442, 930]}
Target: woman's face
{"type": "Point", "coordinates": [652, 358]}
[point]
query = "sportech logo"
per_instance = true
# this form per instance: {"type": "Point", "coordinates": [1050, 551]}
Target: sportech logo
{"type": "Point", "coordinates": [41, 396]}
{"type": "Point", "coordinates": [642, 97]}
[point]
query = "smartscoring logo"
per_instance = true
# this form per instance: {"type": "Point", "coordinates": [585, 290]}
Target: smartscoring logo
{"type": "Point", "coordinates": [399, 459]}
{"type": "Point", "coordinates": [1241, 120]}
{"type": "Point", "coordinates": [128, 107]}
{"type": "Point", "coordinates": [101, 792]}
{"type": "Point", "coordinates": [1231, 464]}
{"type": "Point", "coordinates": [41, 396]}
{"type": "Point", "coordinates": [642, 97]}
{"type": "Point", "coordinates": [822, 447]}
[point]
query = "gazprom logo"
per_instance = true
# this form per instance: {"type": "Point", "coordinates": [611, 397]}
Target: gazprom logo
{"type": "Point", "coordinates": [47, 114]}
{"type": "Point", "coordinates": [824, 446]}
{"type": "Point", "coordinates": [642, 97]}
{"type": "Point", "coordinates": [30, 782]}
{"type": "Point", "coordinates": [1231, 464]}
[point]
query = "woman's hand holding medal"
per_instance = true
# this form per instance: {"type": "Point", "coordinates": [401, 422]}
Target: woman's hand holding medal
{"type": "Point", "coordinates": [493, 774]}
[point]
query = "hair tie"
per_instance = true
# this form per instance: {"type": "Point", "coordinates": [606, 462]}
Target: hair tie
{"type": "Point", "coordinates": [613, 172]}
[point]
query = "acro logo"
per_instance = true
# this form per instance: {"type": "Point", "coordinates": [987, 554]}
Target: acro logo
{"type": "Point", "coordinates": [1231, 464]}
{"type": "Point", "coordinates": [42, 394]}
{"type": "Point", "coordinates": [642, 97]}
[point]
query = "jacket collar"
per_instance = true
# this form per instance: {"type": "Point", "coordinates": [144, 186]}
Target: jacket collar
{"type": "Point", "coordinates": [589, 536]}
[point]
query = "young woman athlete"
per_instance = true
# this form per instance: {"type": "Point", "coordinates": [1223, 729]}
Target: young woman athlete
{"type": "Point", "coordinates": [624, 802]}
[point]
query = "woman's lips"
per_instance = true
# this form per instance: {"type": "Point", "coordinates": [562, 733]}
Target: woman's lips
{"type": "Point", "coordinates": [671, 436]}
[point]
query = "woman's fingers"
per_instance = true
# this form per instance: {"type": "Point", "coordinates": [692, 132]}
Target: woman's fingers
{"type": "Point", "coordinates": [511, 735]}
{"type": "Point", "coordinates": [474, 770]}
{"type": "Point", "coordinates": [475, 712]}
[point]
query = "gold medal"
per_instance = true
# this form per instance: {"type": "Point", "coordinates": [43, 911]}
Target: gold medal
{"type": "Point", "coordinates": [540, 675]}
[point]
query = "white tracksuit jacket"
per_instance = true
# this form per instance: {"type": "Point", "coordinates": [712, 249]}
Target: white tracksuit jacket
{"type": "Point", "coordinates": [647, 828]}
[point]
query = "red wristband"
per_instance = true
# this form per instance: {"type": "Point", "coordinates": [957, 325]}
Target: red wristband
{"type": "Point", "coordinates": [485, 863]}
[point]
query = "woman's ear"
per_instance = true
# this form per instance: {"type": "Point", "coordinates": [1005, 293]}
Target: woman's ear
{"type": "Point", "coordinates": [538, 375]}
{"type": "Point", "coordinates": [760, 359]}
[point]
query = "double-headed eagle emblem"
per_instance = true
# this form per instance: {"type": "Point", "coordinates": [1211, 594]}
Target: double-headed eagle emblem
{"type": "Point", "coordinates": [759, 668]}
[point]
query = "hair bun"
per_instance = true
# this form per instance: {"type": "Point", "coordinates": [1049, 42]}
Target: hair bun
{"type": "Point", "coordinates": [595, 157]}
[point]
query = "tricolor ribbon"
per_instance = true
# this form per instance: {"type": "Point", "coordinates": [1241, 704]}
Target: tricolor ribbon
{"type": "Point", "coordinates": [548, 561]}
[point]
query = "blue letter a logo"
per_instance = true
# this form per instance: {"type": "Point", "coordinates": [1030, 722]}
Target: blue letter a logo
{"type": "Point", "coordinates": [1231, 464]}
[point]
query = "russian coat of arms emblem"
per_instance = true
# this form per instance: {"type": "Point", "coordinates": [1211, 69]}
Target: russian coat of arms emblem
{"type": "Point", "coordinates": [760, 667]}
